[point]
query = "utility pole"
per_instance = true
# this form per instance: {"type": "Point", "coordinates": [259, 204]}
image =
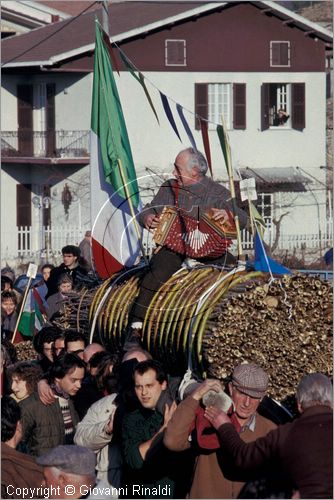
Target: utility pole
{"type": "Point", "coordinates": [105, 16]}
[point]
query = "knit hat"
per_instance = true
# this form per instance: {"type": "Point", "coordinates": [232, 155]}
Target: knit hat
{"type": "Point", "coordinates": [70, 458]}
{"type": "Point", "coordinates": [250, 379]}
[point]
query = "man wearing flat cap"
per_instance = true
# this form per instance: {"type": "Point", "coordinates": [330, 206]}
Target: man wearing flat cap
{"type": "Point", "coordinates": [214, 475]}
{"type": "Point", "coordinates": [69, 472]}
{"type": "Point", "coordinates": [302, 448]}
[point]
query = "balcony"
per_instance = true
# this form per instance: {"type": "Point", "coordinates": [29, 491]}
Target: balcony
{"type": "Point", "coordinates": [58, 146]}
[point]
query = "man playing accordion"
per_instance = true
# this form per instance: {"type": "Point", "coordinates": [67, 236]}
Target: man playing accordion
{"type": "Point", "coordinates": [195, 215]}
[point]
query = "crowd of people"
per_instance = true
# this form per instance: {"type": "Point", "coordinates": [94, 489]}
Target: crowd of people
{"type": "Point", "coordinates": [81, 421]}
{"type": "Point", "coordinates": [52, 290]}
{"type": "Point", "coordinates": [127, 429]}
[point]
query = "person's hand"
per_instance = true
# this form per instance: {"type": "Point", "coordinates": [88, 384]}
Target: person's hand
{"type": "Point", "coordinates": [216, 417]}
{"type": "Point", "coordinates": [208, 385]}
{"type": "Point", "coordinates": [220, 214]}
{"type": "Point", "coordinates": [45, 393]}
{"type": "Point", "coordinates": [151, 221]}
{"type": "Point", "coordinates": [110, 424]}
{"type": "Point", "coordinates": [169, 412]}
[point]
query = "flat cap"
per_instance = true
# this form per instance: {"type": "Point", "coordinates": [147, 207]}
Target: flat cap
{"type": "Point", "coordinates": [70, 458]}
{"type": "Point", "coordinates": [250, 379]}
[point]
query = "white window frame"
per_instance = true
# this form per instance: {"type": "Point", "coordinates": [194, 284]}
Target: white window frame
{"type": "Point", "coordinates": [271, 54]}
{"type": "Point", "coordinates": [261, 205]}
{"type": "Point", "coordinates": [220, 101]}
{"type": "Point", "coordinates": [184, 52]}
{"type": "Point", "coordinates": [283, 100]}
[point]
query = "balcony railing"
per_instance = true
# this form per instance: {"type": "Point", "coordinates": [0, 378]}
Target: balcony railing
{"type": "Point", "coordinates": [49, 144]}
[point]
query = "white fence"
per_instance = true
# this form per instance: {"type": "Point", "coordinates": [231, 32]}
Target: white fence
{"type": "Point", "coordinates": [47, 242]}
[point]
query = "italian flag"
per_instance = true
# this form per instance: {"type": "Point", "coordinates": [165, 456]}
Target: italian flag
{"type": "Point", "coordinates": [115, 242]}
{"type": "Point", "coordinates": [31, 317]}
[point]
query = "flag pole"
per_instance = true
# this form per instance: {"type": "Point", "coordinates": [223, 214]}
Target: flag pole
{"type": "Point", "coordinates": [134, 218]}
{"type": "Point", "coordinates": [105, 16]}
{"type": "Point", "coordinates": [21, 308]}
{"type": "Point", "coordinates": [236, 216]}
{"type": "Point", "coordinates": [232, 191]}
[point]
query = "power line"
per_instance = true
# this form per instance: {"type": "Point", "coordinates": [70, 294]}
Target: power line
{"type": "Point", "coordinates": [65, 25]}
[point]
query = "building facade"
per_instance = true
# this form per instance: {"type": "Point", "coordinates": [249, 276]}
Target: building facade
{"type": "Point", "coordinates": [245, 61]}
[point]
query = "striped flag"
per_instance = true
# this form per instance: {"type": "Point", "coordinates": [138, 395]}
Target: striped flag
{"type": "Point", "coordinates": [115, 243]}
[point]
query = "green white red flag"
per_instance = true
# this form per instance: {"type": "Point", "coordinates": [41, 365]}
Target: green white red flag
{"type": "Point", "coordinates": [31, 318]}
{"type": "Point", "coordinates": [114, 239]}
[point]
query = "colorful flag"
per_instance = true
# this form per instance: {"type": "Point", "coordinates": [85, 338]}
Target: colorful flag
{"type": "Point", "coordinates": [115, 242]}
{"type": "Point", "coordinates": [257, 219]}
{"type": "Point", "coordinates": [140, 78]}
{"type": "Point", "coordinates": [169, 113]}
{"type": "Point", "coordinates": [206, 143]}
{"type": "Point", "coordinates": [264, 263]}
{"type": "Point", "coordinates": [186, 126]}
{"type": "Point", "coordinates": [31, 317]}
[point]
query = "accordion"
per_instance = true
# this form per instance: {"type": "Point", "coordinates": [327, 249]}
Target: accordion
{"type": "Point", "coordinates": [194, 238]}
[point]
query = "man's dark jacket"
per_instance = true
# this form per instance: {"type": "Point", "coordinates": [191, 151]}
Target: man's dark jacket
{"type": "Point", "coordinates": [18, 470]}
{"type": "Point", "coordinates": [55, 274]}
{"type": "Point", "coordinates": [303, 447]}
{"type": "Point", "coordinates": [43, 425]}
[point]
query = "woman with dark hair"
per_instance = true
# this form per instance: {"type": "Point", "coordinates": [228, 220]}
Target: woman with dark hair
{"type": "Point", "coordinates": [24, 376]}
{"type": "Point", "coordinates": [9, 313]}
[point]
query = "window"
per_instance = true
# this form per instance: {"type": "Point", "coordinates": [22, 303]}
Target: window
{"type": "Point", "coordinates": [283, 105]}
{"type": "Point", "coordinates": [175, 53]}
{"type": "Point", "coordinates": [219, 103]}
{"type": "Point", "coordinates": [264, 207]}
{"type": "Point", "coordinates": [23, 205]}
{"type": "Point", "coordinates": [280, 54]}
{"type": "Point", "coordinates": [212, 100]}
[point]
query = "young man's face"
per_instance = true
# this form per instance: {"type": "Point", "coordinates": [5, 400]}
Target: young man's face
{"type": "Point", "coordinates": [69, 259]}
{"type": "Point", "coordinates": [71, 383]}
{"type": "Point", "coordinates": [47, 350]}
{"type": "Point", "coordinates": [148, 389]}
{"type": "Point", "coordinates": [59, 345]}
{"type": "Point", "coordinates": [76, 347]}
{"type": "Point", "coordinates": [244, 406]}
{"type": "Point", "coordinates": [8, 306]}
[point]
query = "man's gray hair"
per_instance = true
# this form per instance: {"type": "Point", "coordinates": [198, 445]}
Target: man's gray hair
{"type": "Point", "coordinates": [315, 389]}
{"type": "Point", "coordinates": [196, 159]}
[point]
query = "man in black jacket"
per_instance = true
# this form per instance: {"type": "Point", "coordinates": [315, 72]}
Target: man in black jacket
{"type": "Point", "coordinates": [70, 266]}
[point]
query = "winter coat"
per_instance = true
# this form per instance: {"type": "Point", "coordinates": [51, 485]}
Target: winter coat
{"type": "Point", "coordinates": [303, 447]}
{"type": "Point", "coordinates": [209, 481]}
{"type": "Point", "coordinates": [90, 433]}
{"type": "Point", "coordinates": [19, 470]}
{"type": "Point", "coordinates": [43, 425]}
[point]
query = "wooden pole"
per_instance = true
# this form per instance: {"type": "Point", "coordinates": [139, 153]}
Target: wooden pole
{"type": "Point", "coordinates": [21, 308]}
{"type": "Point", "coordinates": [127, 194]}
{"type": "Point", "coordinates": [105, 16]}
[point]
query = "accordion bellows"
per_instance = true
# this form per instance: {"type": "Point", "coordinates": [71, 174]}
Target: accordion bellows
{"type": "Point", "coordinates": [194, 238]}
